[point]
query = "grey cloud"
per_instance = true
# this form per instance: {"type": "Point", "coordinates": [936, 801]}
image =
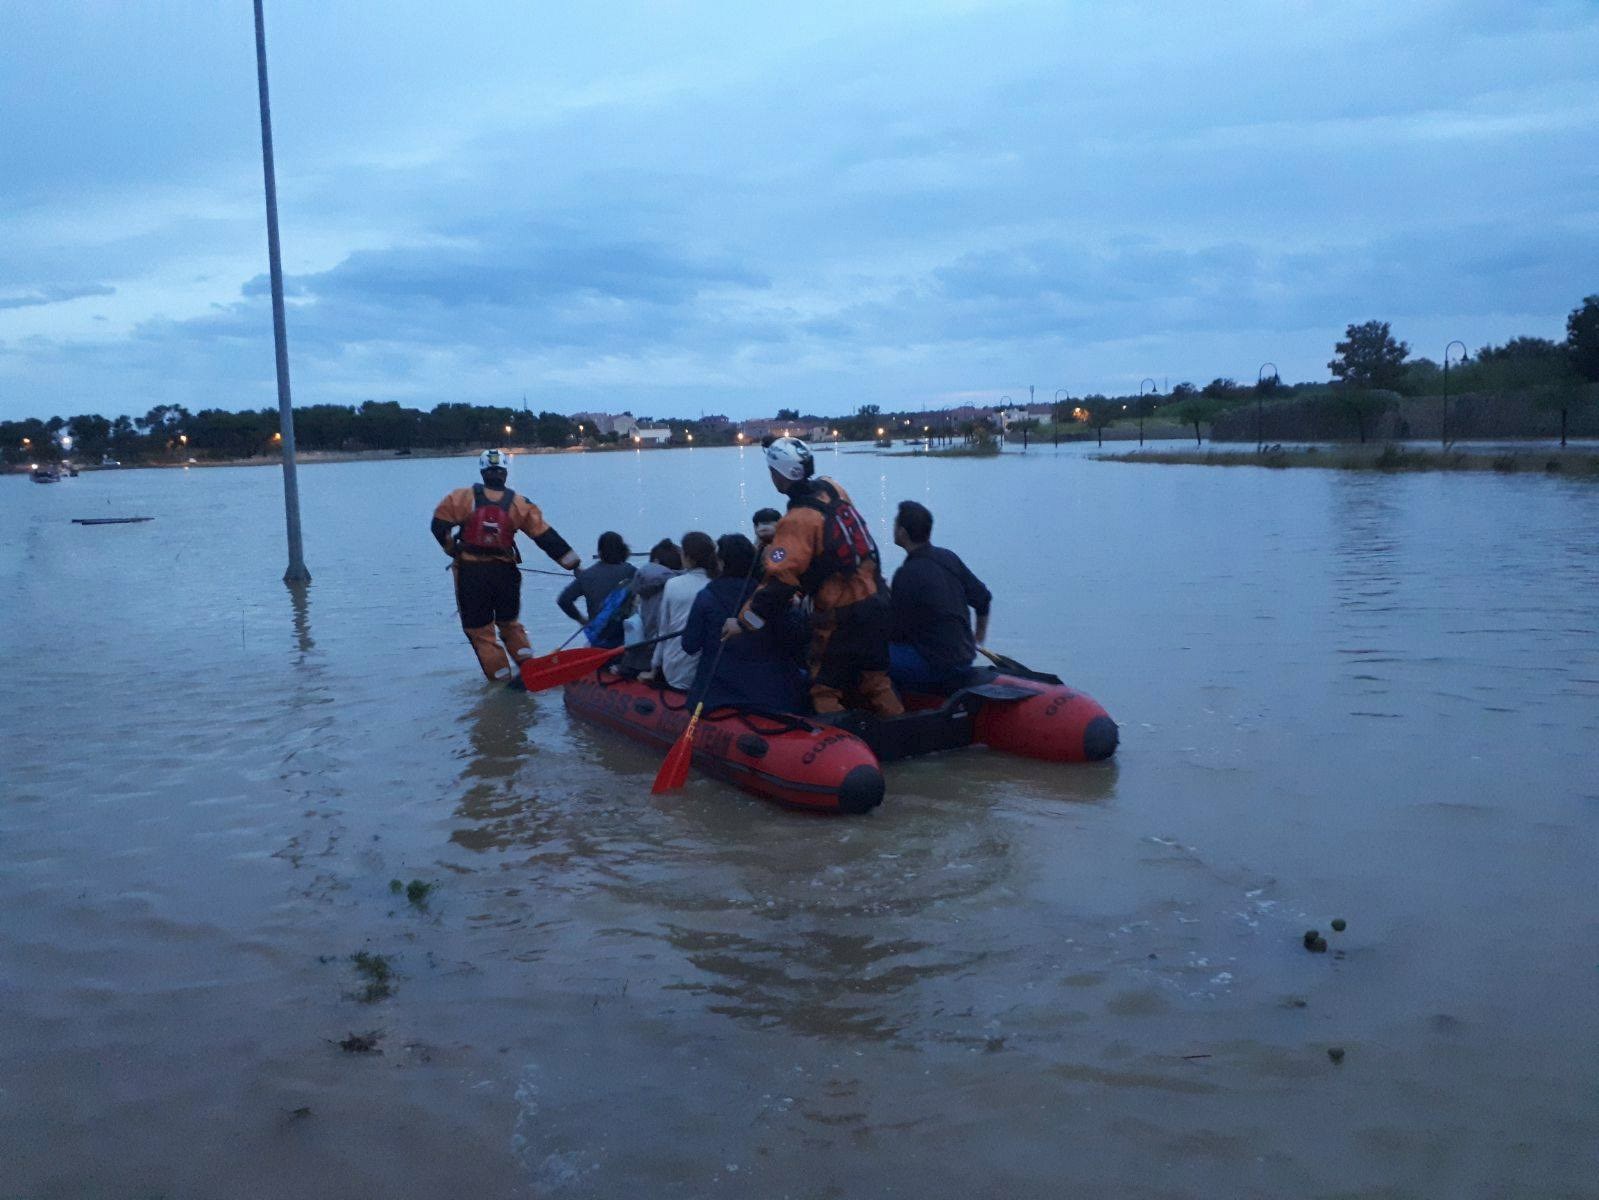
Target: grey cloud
{"type": "Point", "coordinates": [55, 293]}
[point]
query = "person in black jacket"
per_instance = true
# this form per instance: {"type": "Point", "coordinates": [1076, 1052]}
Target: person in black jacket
{"type": "Point", "coordinates": [594, 586]}
{"type": "Point", "coordinates": [933, 641]}
{"type": "Point", "coordinates": [759, 670]}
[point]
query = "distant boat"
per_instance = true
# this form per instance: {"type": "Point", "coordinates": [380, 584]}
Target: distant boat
{"type": "Point", "coordinates": [46, 475]}
{"type": "Point", "coordinates": [108, 461]}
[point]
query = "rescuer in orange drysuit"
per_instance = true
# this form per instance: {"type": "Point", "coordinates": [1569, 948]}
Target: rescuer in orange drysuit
{"type": "Point", "coordinates": [823, 549]}
{"type": "Point", "coordinates": [488, 586]}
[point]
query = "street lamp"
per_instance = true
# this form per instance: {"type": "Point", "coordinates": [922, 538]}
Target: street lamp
{"type": "Point", "coordinates": [1152, 390]}
{"type": "Point", "coordinates": [1054, 422]}
{"type": "Point", "coordinates": [1260, 404]}
{"type": "Point", "coordinates": [507, 429]}
{"type": "Point", "coordinates": [1447, 349]}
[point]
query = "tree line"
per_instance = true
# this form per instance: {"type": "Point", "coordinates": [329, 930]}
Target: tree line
{"type": "Point", "coordinates": [1371, 371]}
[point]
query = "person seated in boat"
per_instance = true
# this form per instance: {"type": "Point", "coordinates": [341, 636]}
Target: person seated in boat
{"type": "Point", "coordinates": [933, 643]}
{"type": "Point", "coordinates": [488, 587]}
{"type": "Point", "coordinates": [673, 665]}
{"type": "Point", "coordinates": [644, 622]}
{"type": "Point", "coordinates": [823, 549]}
{"type": "Point", "coordinates": [596, 585]}
{"type": "Point", "coordinates": [765, 522]}
{"type": "Point", "coordinates": [760, 670]}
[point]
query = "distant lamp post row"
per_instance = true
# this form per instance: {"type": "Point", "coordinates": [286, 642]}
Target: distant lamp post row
{"type": "Point", "coordinates": [1444, 430]}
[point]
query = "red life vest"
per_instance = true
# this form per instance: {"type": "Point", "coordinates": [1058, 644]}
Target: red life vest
{"type": "Point", "coordinates": [490, 529]}
{"type": "Point", "coordinates": [847, 543]}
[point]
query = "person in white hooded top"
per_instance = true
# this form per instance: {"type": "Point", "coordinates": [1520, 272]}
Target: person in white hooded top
{"type": "Point", "coordinates": [672, 664]}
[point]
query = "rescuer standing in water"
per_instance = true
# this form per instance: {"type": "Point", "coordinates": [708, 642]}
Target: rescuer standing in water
{"type": "Point", "coordinates": [488, 586]}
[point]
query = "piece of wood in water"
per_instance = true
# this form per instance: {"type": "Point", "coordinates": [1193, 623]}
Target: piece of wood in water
{"type": "Point", "coordinates": [109, 520]}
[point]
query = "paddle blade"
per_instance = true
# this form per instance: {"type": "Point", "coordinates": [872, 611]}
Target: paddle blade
{"type": "Point", "coordinates": [674, 771]}
{"type": "Point", "coordinates": [552, 670]}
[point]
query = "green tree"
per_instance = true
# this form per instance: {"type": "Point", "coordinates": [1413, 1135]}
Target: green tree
{"type": "Point", "coordinates": [1101, 412]}
{"type": "Point", "coordinates": [1365, 405]}
{"type": "Point", "coordinates": [91, 435]}
{"type": "Point", "coordinates": [554, 430]}
{"type": "Point", "coordinates": [1369, 357]}
{"type": "Point", "coordinates": [1219, 389]}
{"type": "Point", "coordinates": [788, 414]}
{"type": "Point", "coordinates": [1582, 338]}
{"type": "Point", "coordinates": [1195, 411]}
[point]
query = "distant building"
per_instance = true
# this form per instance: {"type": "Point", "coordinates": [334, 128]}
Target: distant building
{"type": "Point", "coordinates": [621, 424]}
{"type": "Point", "coordinates": [650, 437]}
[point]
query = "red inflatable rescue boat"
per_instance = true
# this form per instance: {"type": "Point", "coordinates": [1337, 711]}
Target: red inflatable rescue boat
{"type": "Point", "coordinates": [795, 761]}
{"type": "Point", "coordinates": [833, 766]}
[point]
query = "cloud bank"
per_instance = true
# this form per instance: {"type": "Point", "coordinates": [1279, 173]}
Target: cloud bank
{"type": "Point", "coordinates": [724, 210]}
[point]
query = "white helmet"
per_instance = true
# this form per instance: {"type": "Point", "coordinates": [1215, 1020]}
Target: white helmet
{"type": "Point", "coordinates": [494, 460]}
{"type": "Point", "coordinates": [790, 458]}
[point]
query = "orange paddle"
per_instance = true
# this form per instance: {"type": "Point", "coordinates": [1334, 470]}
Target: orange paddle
{"type": "Point", "coordinates": [674, 771]}
{"type": "Point", "coordinates": [563, 666]}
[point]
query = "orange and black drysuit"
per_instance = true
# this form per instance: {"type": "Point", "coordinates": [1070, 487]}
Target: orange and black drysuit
{"type": "Point", "coordinates": [488, 587]}
{"type": "Point", "coordinates": [824, 550]}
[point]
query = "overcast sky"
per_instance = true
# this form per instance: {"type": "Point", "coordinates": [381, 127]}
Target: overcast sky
{"type": "Point", "coordinates": [674, 208]}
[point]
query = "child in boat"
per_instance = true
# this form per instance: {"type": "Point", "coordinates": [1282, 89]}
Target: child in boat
{"type": "Point", "coordinates": [645, 622]}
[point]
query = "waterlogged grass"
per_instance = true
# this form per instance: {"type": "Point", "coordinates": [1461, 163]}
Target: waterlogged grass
{"type": "Point", "coordinates": [417, 892]}
{"type": "Point", "coordinates": [1581, 465]}
{"type": "Point", "coordinates": [378, 972]}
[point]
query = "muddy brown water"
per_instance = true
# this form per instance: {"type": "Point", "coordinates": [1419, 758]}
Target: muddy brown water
{"type": "Point", "coordinates": [1355, 696]}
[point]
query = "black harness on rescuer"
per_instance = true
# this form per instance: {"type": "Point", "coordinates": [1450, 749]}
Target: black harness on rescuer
{"type": "Point", "coordinates": [846, 541]}
{"type": "Point", "coordinates": [490, 530]}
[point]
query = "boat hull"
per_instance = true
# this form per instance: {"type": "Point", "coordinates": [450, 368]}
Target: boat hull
{"type": "Point", "coordinates": [794, 762]}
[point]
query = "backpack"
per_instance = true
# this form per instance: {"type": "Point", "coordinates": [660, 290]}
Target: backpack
{"type": "Point", "coordinates": [490, 529]}
{"type": "Point", "coordinates": [847, 543]}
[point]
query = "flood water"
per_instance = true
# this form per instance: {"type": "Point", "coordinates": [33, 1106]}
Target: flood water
{"type": "Point", "coordinates": [1341, 695]}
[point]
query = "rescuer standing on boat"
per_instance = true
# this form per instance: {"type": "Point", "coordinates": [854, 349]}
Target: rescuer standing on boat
{"type": "Point", "coordinates": [488, 586]}
{"type": "Point", "coordinates": [823, 549]}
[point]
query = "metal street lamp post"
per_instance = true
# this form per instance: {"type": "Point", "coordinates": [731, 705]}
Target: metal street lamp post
{"type": "Point", "coordinates": [1444, 432]}
{"type": "Point", "coordinates": [1152, 390]}
{"type": "Point", "coordinates": [1260, 404]}
{"type": "Point", "coordinates": [297, 573]}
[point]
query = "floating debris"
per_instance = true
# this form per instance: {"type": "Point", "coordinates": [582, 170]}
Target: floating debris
{"type": "Point", "coordinates": [1336, 1053]}
{"type": "Point", "coordinates": [358, 1043]}
{"type": "Point", "coordinates": [1314, 942]}
{"type": "Point", "coordinates": [417, 892]}
{"type": "Point", "coordinates": [1339, 924]}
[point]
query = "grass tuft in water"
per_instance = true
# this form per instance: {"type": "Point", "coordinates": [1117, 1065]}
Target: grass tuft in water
{"type": "Point", "coordinates": [417, 892]}
{"type": "Point", "coordinates": [378, 972]}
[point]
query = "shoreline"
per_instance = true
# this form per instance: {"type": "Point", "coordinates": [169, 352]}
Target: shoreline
{"type": "Point", "coordinates": [1389, 458]}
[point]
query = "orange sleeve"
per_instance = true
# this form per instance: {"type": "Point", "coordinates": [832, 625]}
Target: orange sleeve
{"type": "Point", "coordinates": [794, 545]}
{"type": "Point", "coordinates": [455, 508]}
{"type": "Point", "coordinates": [528, 517]}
